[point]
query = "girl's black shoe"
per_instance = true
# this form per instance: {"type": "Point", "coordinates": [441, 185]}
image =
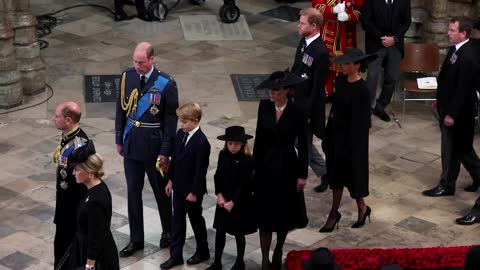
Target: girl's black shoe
{"type": "Point", "coordinates": [324, 229]}
{"type": "Point", "coordinates": [360, 224]}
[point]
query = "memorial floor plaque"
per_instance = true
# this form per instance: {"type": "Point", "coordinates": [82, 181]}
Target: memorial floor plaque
{"type": "Point", "coordinates": [286, 13]}
{"type": "Point", "coordinates": [209, 27]}
{"type": "Point", "coordinates": [102, 88]}
{"type": "Point", "coordinates": [244, 85]}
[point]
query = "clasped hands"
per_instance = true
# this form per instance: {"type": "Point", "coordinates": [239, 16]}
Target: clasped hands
{"type": "Point", "coordinates": [224, 204]}
{"type": "Point", "coordinates": [339, 9]}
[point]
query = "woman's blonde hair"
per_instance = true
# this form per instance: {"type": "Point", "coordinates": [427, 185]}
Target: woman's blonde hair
{"type": "Point", "coordinates": [93, 165]}
{"type": "Point", "coordinates": [245, 149]}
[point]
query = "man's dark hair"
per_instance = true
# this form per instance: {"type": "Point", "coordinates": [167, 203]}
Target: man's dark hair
{"type": "Point", "coordinates": [464, 24]}
{"type": "Point", "coordinates": [67, 111]}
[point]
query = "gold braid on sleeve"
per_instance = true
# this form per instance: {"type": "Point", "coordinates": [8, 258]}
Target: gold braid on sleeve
{"type": "Point", "coordinates": [131, 105]}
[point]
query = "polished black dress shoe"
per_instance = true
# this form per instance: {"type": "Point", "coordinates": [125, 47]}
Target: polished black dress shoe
{"type": "Point", "coordinates": [130, 249]}
{"type": "Point", "coordinates": [238, 265]}
{"type": "Point", "coordinates": [322, 187]}
{"type": "Point", "coordinates": [469, 219]}
{"type": "Point", "coordinates": [165, 240]}
{"type": "Point", "coordinates": [473, 187]}
{"type": "Point", "coordinates": [380, 113]}
{"type": "Point", "coordinates": [198, 257]}
{"type": "Point", "coordinates": [214, 266]}
{"type": "Point", "coordinates": [437, 191]}
{"type": "Point", "coordinates": [172, 262]}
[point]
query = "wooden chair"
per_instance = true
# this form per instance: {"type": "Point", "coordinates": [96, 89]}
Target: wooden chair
{"type": "Point", "coordinates": [420, 60]}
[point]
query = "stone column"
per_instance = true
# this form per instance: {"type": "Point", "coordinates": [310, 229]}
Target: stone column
{"type": "Point", "coordinates": [436, 27]}
{"type": "Point", "coordinates": [10, 85]}
{"type": "Point", "coordinates": [30, 65]}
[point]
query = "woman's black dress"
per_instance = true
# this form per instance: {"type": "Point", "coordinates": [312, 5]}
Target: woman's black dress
{"type": "Point", "coordinates": [347, 137]}
{"type": "Point", "coordinates": [233, 179]}
{"type": "Point", "coordinates": [94, 239]}
{"type": "Point", "coordinates": [278, 205]}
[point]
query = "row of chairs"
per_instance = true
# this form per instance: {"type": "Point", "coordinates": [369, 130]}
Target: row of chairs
{"type": "Point", "coordinates": [420, 60]}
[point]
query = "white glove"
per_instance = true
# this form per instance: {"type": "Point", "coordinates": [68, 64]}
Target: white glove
{"type": "Point", "coordinates": [342, 17]}
{"type": "Point", "coordinates": [339, 8]}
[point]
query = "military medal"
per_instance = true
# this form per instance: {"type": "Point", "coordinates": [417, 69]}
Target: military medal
{"type": "Point", "coordinates": [63, 173]}
{"type": "Point", "coordinates": [154, 100]}
{"type": "Point", "coordinates": [64, 185]}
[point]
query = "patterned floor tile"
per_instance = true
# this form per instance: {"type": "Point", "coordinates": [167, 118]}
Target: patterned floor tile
{"type": "Point", "coordinates": [17, 260]}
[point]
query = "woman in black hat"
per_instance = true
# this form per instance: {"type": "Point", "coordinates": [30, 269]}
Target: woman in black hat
{"type": "Point", "coordinates": [93, 246]}
{"type": "Point", "coordinates": [280, 170]}
{"type": "Point", "coordinates": [347, 137]}
{"type": "Point", "coordinates": [233, 180]}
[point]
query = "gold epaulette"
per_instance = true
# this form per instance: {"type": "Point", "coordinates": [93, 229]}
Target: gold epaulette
{"type": "Point", "coordinates": [131, 104]}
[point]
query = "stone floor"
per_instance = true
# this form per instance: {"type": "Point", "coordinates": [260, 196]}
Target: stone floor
{"type": "Point", "coordinates": [403, 161]}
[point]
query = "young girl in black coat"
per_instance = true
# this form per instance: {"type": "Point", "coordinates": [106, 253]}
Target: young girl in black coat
{"type": "Point", "coordinates": [234, 195]}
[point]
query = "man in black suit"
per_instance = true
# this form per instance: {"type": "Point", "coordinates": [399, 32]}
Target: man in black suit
{"type": "Point", "coordinates": [456, 109]}
{"type": "Point", "coordinates": [312, 63]}
{"type": "Point", "coordinates": [145, 126]}
{"type": "Point", "coordinates": [187, 183]}
{"type": "Point", "coordinates": [385, 23]}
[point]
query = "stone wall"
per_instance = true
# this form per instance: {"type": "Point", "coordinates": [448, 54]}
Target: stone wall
{"type": "Point", "coordinates": [430, 18]}
{"type": "Point", "coordinates": [22, 72]}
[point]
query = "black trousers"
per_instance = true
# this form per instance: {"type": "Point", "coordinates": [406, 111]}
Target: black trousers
{"type": "Point", "coordinates": [64, 234]}
{"type": "Point", "coordinates": [181, 208]}
{"type": "Point", "coordinates": [388, 58]}
{"type": "Point", "coordinates": [452, 156]}
{"type": "Point", "coordinates": [135, 175]}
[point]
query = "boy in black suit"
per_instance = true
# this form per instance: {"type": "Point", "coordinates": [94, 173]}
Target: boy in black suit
{"type": "Point", "coordinates": [187, 184]}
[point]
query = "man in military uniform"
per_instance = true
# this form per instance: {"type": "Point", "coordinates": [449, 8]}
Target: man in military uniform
{"type": "Point", "coordinates": [69, 193]}
{"type": "Point", "coordinates": [145, 127]}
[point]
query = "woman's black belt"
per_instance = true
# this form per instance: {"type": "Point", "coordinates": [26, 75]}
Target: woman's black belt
{"type": "Point", "coordinates": [139, 124]}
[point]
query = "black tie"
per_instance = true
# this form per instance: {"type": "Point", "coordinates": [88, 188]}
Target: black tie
{"type": "Point", "coordinates": [389, 16]}
{"type": "Point", "coordinates": [184, 141]}
{"type": "Point", "coordinates": [143, 81]}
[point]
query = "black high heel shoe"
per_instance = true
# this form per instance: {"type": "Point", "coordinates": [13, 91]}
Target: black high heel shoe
{"type": "Point", "coordinates": [360, 224]}
{"type": "Point", "coordinates": [324, 229]}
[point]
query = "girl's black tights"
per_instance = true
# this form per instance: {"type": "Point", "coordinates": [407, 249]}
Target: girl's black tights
{"type": "Point", "coordinates": [220, 238]}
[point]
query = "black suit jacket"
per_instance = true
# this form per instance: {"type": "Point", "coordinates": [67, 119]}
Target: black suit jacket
{"type": "Point", "coordinates": [375, 21]}
{"type": "Point", "coordinates": [188, 167]}
{"type": "Point", "coordinates": [148, 143]}
{"type": "Point", "coordinates": [456, 94]}
{"type": "Point", "coordinates": [310, 95]}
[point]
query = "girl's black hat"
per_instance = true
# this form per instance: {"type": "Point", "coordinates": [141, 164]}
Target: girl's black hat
{"type": "Point", "coordinates": [235, 133]}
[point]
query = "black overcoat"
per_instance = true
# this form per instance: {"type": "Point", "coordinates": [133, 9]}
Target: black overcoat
{"type": "Point", "coordinates": [347, 137]}
{"type": "Point", "coordinates": [233, 179]}
{"type": "Point", "coordinates": [94, 239]}
{"type": "Point", "coordinates": [278, 205]}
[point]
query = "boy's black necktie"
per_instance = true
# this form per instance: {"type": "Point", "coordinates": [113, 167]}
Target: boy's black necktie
{"type": "Point", "coordinates": [184, 141]}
